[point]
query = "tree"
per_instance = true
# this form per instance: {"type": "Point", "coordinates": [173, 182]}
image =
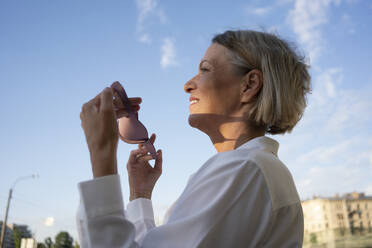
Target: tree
{"type": "Point", "coordinates": [19, 232]}
{"type": "Point", "coordinates": [313, 238]}
{"type": "Point", "coordinates": [17, 237]}
{"type": "Point", "coordinates": [64, 240]}
{"type": "Point", "coordinates": [76, 245]}
{"type": "Point", "coordinates": [41, 245]}
{"type": "Point", "coordinates": [49, 242]}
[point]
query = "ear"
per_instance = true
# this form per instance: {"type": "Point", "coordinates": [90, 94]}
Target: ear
{"type": "Point", "coordinates": [251, 85]}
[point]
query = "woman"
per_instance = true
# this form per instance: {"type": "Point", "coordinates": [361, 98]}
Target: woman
{"type": "Point", "coordinates": [248, 84]}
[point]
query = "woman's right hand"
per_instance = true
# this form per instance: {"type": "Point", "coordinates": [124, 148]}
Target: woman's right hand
{"type": "Point", "coordinates": [142, 177]}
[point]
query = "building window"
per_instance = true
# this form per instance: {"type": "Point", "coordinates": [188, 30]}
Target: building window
{"type": "Point", "coordinates": [366, 205]}
{"type": "Point", "coordinates": [340, 216]}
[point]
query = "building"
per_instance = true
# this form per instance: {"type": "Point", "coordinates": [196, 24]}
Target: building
{"type": "Point", "coordinates": [22, 230]}
{"type": "Point", "coordinates": [8, 236]}
{"type": "Point", "coordinates": [28, 243]}
{"type": "Point", "coordinates": [328, 219]}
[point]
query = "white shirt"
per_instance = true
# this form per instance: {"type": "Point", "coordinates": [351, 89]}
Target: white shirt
{"type": "Point", "coordinates": [240, 198]}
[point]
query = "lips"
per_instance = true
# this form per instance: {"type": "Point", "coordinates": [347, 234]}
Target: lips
{"type": "Point", "coordinates": [193, 100]}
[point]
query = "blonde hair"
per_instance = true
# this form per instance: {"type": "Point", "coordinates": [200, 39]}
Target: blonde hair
{"type": "Point", "coordinates": [286, 81]}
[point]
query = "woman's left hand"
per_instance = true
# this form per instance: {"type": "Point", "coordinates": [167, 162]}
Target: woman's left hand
{"type": "Point", "coordinates": [142, 177]}
{"type": "Point", "coordinates": [98, 120]}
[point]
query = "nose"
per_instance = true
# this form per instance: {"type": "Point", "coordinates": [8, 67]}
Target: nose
{"type": "Point", "coordinates": [189, 85]}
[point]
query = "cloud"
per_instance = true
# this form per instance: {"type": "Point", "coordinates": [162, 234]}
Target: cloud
{"type": "Point", "coordinates": [148, 9]}
{"type": "Point", "coordinates": [145, 38]}
{"type": "Point", "coordinates": [258, 10]}
{"type": "Point", "coordinates": [330, 150]}
{"type": "Point", "coordinates": [341, 109]}
{"type": "Point", "coordinates": [324, 86]}
{"type": "Point", "coordinates": [145, 7]}
{"type": "Point", "coordinates": [306, 19]}
{"type": "Point", "coordinates": [168, 50]}
{"type": "Point", "coordinates": [49, 221]}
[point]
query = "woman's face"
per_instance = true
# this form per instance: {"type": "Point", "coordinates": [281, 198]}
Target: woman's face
{"type": "Point", "coordinates": [215, 89]}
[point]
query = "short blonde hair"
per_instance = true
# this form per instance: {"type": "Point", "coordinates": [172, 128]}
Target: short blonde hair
{"type": "Point", "coordinates": [286, 81]}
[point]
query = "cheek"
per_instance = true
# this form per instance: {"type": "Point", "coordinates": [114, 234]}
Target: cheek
{"type": "Point", "coordinates": [226, 99]}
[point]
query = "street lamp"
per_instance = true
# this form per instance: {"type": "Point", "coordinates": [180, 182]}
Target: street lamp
{"type": "Point", "coordinates": [7, 205]}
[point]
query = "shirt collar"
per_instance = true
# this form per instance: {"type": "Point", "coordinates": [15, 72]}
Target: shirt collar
{"type": "Point", "coordinates": [262, 143]}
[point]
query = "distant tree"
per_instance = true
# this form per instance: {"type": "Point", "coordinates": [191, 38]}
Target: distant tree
{"type": "Point", "coordinates": [41, 245]}
{"type": "Point", "coordinates": [313, 238]}
{"type": "Point", "coordinates": [49, 242]}
{"type": "Point", "coordinates": [361, 228]}
{"type": "Point", "coordinates": [64, 240]}
{"type": "Point", "coordinates": [76, 245]}
{"type": "Point", "coordinates": [17, 237]}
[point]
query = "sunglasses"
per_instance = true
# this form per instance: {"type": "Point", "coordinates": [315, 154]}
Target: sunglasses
{"type": "Point", "coordinates": [131, 130]}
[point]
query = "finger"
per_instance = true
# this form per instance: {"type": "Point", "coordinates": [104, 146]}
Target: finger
{"type": "Point", "coordinates": [159, 161]}
{"type": "Point", "coordinates": [92, 105]}
{"type": "Point", "coordinates": [107, 100]}
{"type": "Point", "coordinates": [152, 138]}
{"type": "Point", "coordinates": [134, 153]}
{"type": "Point", "coordinates": [134, 101]}
{"type": "Point", "coordinates": [144, 159]}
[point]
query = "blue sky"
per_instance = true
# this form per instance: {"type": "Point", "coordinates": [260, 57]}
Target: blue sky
{"type": "Point", "coordinates": [57, 54]}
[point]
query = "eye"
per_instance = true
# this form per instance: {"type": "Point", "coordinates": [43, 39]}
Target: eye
{"type": "Point", "coordinates": [204, 69]}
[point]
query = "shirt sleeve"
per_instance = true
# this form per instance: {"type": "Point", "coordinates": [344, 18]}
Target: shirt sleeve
{"type": "Point", "coordinates": [101, 220]}
{"type": "Point", "coordinates": [140, 213]}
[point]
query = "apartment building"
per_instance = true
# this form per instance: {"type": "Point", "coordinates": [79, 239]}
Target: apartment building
{"type": "Point", "coordinates": [331, 218]}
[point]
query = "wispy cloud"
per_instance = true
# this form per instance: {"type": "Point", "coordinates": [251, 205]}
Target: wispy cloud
{"type": "Point", "coordinates": [258, 10]}
{"type": "Point", "coordinates": [168, 50]}
{"type": "Point", "coordinates": [348, 23]}
{"type": "Point", "coordinates": [148, 9]}
{"type": "Point", "coordinates": [306, 19]}
{"type": "Point", "coordinates": [335, 130]}
{"type": "Point", "coordinates": [145, 38]}
{"type": "Point", "coordinates": [325, 85]}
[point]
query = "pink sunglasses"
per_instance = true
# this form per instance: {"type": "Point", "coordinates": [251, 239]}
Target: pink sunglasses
{"type": "Point", "coordinates": [131, 130]}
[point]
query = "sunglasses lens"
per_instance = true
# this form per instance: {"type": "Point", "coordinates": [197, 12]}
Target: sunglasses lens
{"type": "Point", "coordinates": [132, 130]}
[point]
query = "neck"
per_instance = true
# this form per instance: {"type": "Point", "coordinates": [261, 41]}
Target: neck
{"type": "Point", "coordinates": [226, 132]}
{"type": "Point", "coordinates": [235, 134]}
